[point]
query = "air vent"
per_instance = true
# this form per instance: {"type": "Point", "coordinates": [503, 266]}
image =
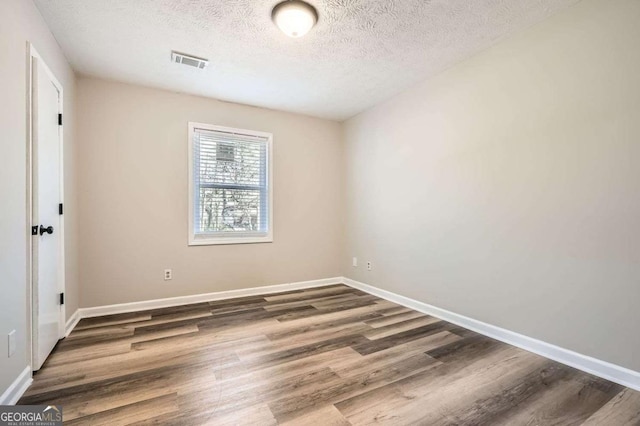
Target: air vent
{"type": "Point", "coordinates": [192, 61]}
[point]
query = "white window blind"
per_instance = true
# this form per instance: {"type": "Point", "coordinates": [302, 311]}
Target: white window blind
{"type": "Point", "coordinates": [230, 185]}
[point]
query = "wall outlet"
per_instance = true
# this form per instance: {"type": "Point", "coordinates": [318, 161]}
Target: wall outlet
{"type": "Point", "coordinates": [168, 274]}
{"type": "Point", "coordinates": [12, 343]}
{"type": "Point", "coordinates": [369, 266]}
{"type": "Point", "coordinates": [354, 262]}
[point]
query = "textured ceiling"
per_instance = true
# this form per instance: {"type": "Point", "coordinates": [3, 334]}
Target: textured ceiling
{"type": "Point", "coordinates": [360, 53]}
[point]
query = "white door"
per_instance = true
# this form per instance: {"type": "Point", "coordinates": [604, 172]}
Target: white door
{"type": "Point", "coordinates": [46, 220]}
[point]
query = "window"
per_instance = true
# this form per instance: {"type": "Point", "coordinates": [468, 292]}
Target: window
{"type": "Point", "coordinates": [229, 185]}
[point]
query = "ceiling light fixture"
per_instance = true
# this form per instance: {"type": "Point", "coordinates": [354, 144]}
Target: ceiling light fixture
{"type": "Point", "coordinates": [294, 17]}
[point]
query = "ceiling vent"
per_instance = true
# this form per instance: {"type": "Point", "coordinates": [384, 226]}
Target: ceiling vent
{"type": "Point", "coordinates": [192, 61]}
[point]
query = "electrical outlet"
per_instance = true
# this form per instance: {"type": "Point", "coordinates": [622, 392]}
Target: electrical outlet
{"type": "Point", "coordinates": [369, 266]}
{"type": "Point", "coordinates": [12, 343]}
{"type": "Point", "coordinates": [354, 262]}
{"type": "Point", "coordinates": [168, 274]}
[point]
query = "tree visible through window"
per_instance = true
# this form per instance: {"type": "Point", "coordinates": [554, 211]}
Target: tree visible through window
{"type": "Point", "coordinates": [230, 185]}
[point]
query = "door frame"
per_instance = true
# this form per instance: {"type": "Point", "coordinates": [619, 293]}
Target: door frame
{"type": "Point", "coordinates": [32, 312]}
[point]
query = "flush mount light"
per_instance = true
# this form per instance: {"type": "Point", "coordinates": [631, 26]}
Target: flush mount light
{"type": "Point", "coordinates": [294, 17]}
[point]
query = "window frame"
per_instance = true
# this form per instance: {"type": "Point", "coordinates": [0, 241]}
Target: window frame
{"type": "Point", "coordinates": [196, 239]}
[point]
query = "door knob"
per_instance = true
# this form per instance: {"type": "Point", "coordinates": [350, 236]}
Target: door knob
{"type": "Point", "coordinates": [48, 229]}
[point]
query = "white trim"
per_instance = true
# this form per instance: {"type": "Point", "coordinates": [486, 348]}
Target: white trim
{"type": "Point", "coordinates": [207, 297]}
{"type": "Point", "coordinates": [604, 369]}
{"type": "Point", "coordinates": [203, 240]}
{"type": "Point", "coordinates": [72, 322]}
{"type": "Point", "coordinates": [17, 388]}
{"type": "Point", "coordinates": [248, 238]}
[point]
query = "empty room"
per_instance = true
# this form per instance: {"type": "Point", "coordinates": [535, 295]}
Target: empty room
{"type": "Point", "coordinates": [320, 212]}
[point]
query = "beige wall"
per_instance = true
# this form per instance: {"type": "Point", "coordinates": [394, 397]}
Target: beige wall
{"type": "Point", "coordinates": [507, 189]}
{"type": "Point", "coordinates": [133, 197]}
{"type": "Point", "coordinates": [21, 22]}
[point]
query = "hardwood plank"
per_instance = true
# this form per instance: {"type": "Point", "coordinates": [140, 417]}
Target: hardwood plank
{"type": "Point", "coordinates": [291, 406]}
{"type": "Point", "coordinates": [307, 302]}
{"type": "Point", "coordinates": [226, 339]}
{"type": "Point", "coordinates": [330, 355]}
{"type": "Point", "coordinates": [131, 362]}
{"type": "Point", "coordinates": [112, 393]}
{"type": "Point", "coordinates": [403, 315]}
{"type": "Point", "coordinates": [490, 410]}
{"type": "Point", "coordinates": [310, 338]}
{"type": "Point", "coordinates": [399, 327]}
{"type": "Point", "coordinates": [371, 346]}
{"type": "Point", "coordinates": [303, 351]}
{"type": "Point", "coordinates": [368, 407]}
{"type": "Point", "coordinates": [173, 311]}
{"type": "Point", "coordinates": [350, 300]}
{"type": "Point", "coordinates": [294, 329]}
{"type": "Point", "coordinates": [109, 320]}
{"type": "Point", "coordinates": [622, 409]}
{"type": "Point", "coordinates": [227, 398]}
{"type": "Point", "coordinates": [326, 415]}
{"type": "Point", "coordinates": [569, 402]}
{"type": "Point", "coordinates": [259, 414]}
{"type": "Point", "coordinates": [136, 412]}
{"type": "Point", "coordinates": [352, 305]}
{"type": "Point", "coordinates": [238, 301]}
{"type": "Point", "coordinates": [167, 318]}
{"type": "Point", "coordinates": [314, 293]}
{"type": "Point", "coordinates": [261, 374]}
{"type": "Point", "coordinates": [466, 348]}
{"type": "Point", "coordinates": [84, 353]}
{"type": "Point", "coordinates": [349, 366]}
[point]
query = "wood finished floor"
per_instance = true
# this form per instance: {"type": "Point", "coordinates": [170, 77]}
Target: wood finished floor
{"type": "Point", "coordinates": [324, 356]}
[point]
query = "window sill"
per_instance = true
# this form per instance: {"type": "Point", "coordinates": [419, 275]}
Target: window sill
{"type": "Point", "coordinates": [210, 241]}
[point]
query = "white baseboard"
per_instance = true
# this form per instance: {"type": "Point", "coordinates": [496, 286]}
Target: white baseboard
{"type": "Point", "coordinates": [198, 298]}
{"type": "Point", "coordinates": [604, 369]}
{"type": "Point", "coordinates": [72, 322]}
{"type": "Point", "coordinates": [17, 388]}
